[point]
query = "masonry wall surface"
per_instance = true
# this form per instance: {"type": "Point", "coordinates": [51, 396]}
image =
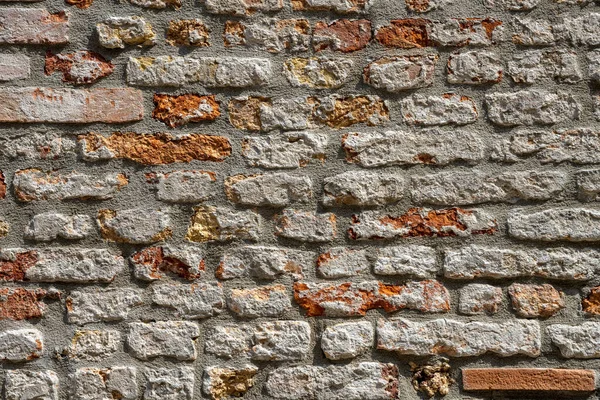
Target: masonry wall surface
{"type": "Point", "coordinates": [299, 200]}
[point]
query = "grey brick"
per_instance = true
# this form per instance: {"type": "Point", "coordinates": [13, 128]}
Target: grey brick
{"type": "Point", "coordinates": [410, 260]}
{"type": "Point", "coordinates": [395, 74]}
{"type": "Point", "coordinates": [105, 383]}
{"type": "Point", "coordinates": [276, 189]}
{"type": "Point", "coordinates": [474, 68]}
{"type": "Point", "coordinates": [169, 383]}
{"type": "Point", "coordinates": [342, 262]}
{"type": "Point", "coordinates": [288, 150]}
{"type": "Point", "coordinates": [459, 339]}
{"type": "Point", "coordinates": [262, 301]}
{"type": "Point", "coordinates": [175, 339]}
{"type": "Point", "coordinates": [135, 226]}
{"type": "Point", "coordinates": [14, 67]}
{"type": "Point", "coordinates": [362, 188]}
{"type": "Point", "coordinates": [101, 305]}
{"type": "Point", "coordinates": [184, 186]}
{"type": "Point", "coordinates": [532, 32]}
{"type": "Point", "coordinates": [190, 301]}
{"type": "Point", "coordinates": [480, 299]}
{"type": "Point", "coordinates": [95, 345]}
{"type": "Point", "coordinates": [117, 32]}
{"type": "Point", "coordinates": [347, 340]}
{"type": "Point", "coordinates": [446, 109]}
{"type": "Point", "coordinates": [566, 224]}
{"type": "Point", "coordinates": [537, 65]}
{"type": "Point", "coordinates": [20, 345]}
{"type": "Point", "coordinates": [222, 224]}
{"type": "Point", "coordinates": [576, 341]}
{"type": "Point", "coordinates": [263, 262]}
{"type": "Point", "coordinates": [306, 226]}
{"type": "Point", "coordinates": [50, 226]}
{"type": "Point", "coordinates": [30, 385]}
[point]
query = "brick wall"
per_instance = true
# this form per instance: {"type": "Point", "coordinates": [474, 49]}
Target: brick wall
{"type": "Point", "coordinates": [303, 199]}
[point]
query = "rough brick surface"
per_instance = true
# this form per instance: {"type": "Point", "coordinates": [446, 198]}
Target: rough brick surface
{"type": "Point", "coordinates": [299, 199]}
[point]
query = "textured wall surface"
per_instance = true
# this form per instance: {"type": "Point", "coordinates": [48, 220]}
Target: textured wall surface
{"type": "Point", "coordinates": [299, 199]}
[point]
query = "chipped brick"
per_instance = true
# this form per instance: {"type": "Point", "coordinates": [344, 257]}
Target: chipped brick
{"type": "Point", "coordinates": [275, 190]}
{"type": "Point", "coordinates": [152, 263]}
{"type": "Point", "coordinates": [79, 67]}
{"type": "Point", "coordinates": [101, 305]}
{"type": "Point", "coordinates": [20, 345]}
{"type": "Point", "coordinates": [136, 226]}
{"type": "Point", "coordinates": [262, 301]}
{"type": "Point", "coordinates": [284, 150]}
{"type": "Point", "coordinates": [342, 35]}
{"type": "Point", "coordinates": [183, 186]}
{"type": "Point", "coordinates": [116, 32]}
{"type": "Point", "coordinates": [352, 299]}
{"type": "Point", "coordinates": [33, 26]}
{"type": "Point", "coordinates": [154, 149]}
{"type": "Point", "coordinates": [222, 224]}
{"type": "Point", "coordinates": [272, 35]}
{"type": "Point", "coordinates": [263, 262]}
{"type": "Point", "coordinates": [533, 301]}
{"type": "Point", "coordinates": [417, 222]}
{"type": "Point", "coordinates": [19, 303]}
{"type": "Point", "coordinates": [395, 74]}
{"type": "Point", "coordinates": [318, 72]}
{"type": "Point", "coordinates": [306, 226]}
{"type": "Point", "coordinates": [176, 111]}
{"type": "Point", "coordinates": [188, 32]}
{"type": "Point", "coordinates": [405, 33]}
{"type": "Point", "coordinates": [447, 109]}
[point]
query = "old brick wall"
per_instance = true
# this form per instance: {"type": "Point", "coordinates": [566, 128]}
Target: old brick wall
{"type": "Point", "coordinates": [303, 199]}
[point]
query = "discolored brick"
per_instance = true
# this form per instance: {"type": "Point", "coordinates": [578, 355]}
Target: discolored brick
{"type": "Point", "coordinates": [188, 32]}
{"type": "Point", "coordinates": [533, 301]}
{"type": "Point", "coordinates": [591, 303]}
{"type": "Point", "coordinates": [20, 303]}
{"type": "Point", "coordinates": [222, 224]}
{"type": "Point", "coordinates": [176, 111]}
{"type": "Point", "coordinates": [153, 149]}
{"type": "Point", "coordinates": [82, 66]}
{"type": "Point", "coordinates": [136, 226]}
{"type": "Point", "coordinates": [350, 299]}
{"type": "Point", "coordinates": [395, 74]}
{"type": "Point", "coordinates": [33, 26]}
{"type": "Point", "coordinates": [262, 301]}
{"type": "Point", "coordinates": [152, 263]}
{"type": "Point", "coordinates": [270, 34]}
{"type": "Point", "coordinates": [350, 6]}
{"type": "Point", "coordinates": [342, 35]}
{"type": "Point", "coordinates": [117, 32]}
{"type": "Point", "coordinates": [405, 33]}
{"type": "Point", "coordinates": [318, 72]}
{"type": "Point", "coordinates": [224, 382]}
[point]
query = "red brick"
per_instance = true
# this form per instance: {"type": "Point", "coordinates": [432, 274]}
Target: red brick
{"type": "Point", "coordinates": [179, 110]}
{"type": "Point", "coordinates": [19, 303]}
{"type": "Point", "coordinates": [342, 35]}
{"type": "Point", "coordinates": [70, 105]}
{"type": "Point", "coordinates": [78, 67]}
{"type": "Point", "coordinates": [529, 379]}
{"type": "Point", "coordinates": [405, 33]}
{"type": "Point", "coordinates": [33, 26]}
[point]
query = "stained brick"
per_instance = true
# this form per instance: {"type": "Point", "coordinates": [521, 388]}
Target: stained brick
{"type": "Point", "coordinates": [20, 303]}
{"type": "Point", "coordinates": [223, 382]}
{"type": "Point", "coordinates": [222, 224]}
{"type": "Point", "coordinates": [70, 106]}
{"type": "Point", "coordinates": [152, 263]}
{"type": "Point", "coordinates": [33, 26]}
{"type": "Point", "coordinates": [135, 226]}
{"type": "Point", "coordinates": [188, 32]}
{"type": "Point", "coordinates": [176, 111]}
{"type": "Point", "coordinates": [342, 35]}
{"type": "Point", "coordinates": [372, 225]}
{"type": "Point", "coordinates": [306, 226]}
{"type": "Point", "coordinates": [116, 32]}
{"type": "Point", "coordinates": [263, 262]}
{"type": "Point", "coordinates": [19, 345]}
{"type": "Point", "coordinates": [154, 149]}
{"type": "Point", "coordinates": [79, 67]}
{"type": "Point", "coordinates": [395, 74]}
{"type": "Point", "coordinates": [272, 35]}
{"type": "Point", "coordinates": [263, 301]}
{"type": "Point", "coordinates": [350, 299]}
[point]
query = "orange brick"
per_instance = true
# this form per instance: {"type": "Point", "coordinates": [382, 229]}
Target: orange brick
{"type": "Point", "coordinates": [529, 379]}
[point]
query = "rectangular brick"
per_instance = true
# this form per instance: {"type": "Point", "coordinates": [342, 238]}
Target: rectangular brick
{"type": "Point", "coordinates": [70, 106]}
{"type": "Point", "coordinates": [263, 262]}
{"type": "Point", "coordinates": [291, 35]}
{"type": "Point", "coordinates": [14, 67]}
{"type": "Point", "coordinates": [545, 380]}
{"type": "Point", "coordinates": [33, 26]}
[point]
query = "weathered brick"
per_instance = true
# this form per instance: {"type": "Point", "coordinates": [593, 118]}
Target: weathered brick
{"type": "Point", "coordinates": [411, 260]}
{"type": "Point", "coordinates": [578, 145]}
{"type": "Point", "coordinates": [538, 380]}
{"type": "Point", "coordinates": [365, 380]}
{"type": "Point", "coordinates": [533, 301]}
{"type": "Point", "coordinates": [175, 339]}
{"type": "Point", "coordinates": [512, 5]}
{"type": "Point", "coordinates": [532, 107]}
{"type": "Point", "coordinates": [242, 7]}
{"type": "Point", "coordinates": [14, 67]}
{"type": "Point", "coordinates": [272, 35]}
{"type": "Point", "coordinates": [370, 225]}
{"type": "Point", "coordinates": [593, 58]}
{"type": "Point", "coordinates": [342, 35]}
{"type": "Point", "coordinates": [532, 32]}
{"type": "Point", "coordinates": [496, 263]}
{"type": "Point", "coordinates": [33, 26]}
{"type": "Point", "coordinates": [176, 110]}
{"type": "Point", "coordinates": [184, 186]}
{"type": "Point", "coordinates": [36, 146]}
{"type": "Point", "coordinates": [306, 226]}
{"type": "Point", "coordinates": [405, 33]}
{"type": "Point", "coordinates": [395, 74]}
{"type": "Point", "coordinates": [222, 224]}
{"type": "Point", "coordinates": [224, 382]}
{"type": "Point", "coordinates": [116, 32]}
{"type": "Point", "coordinates": [275, 190]}
{"type": "Point", "coordinates": [568, 224]}
{"type": "Point", "coordinates": [105, 383]}
{"type": "Point", "coordinates": [136, 226]}
{"type": "Point", "coordinates": [59, 265]}
{"type": "Point", "coordinates": [588, 184]}
{"type": "Point", "coordinates": [188, 32]}
{"type": "Point", "coordinates": [70, 106]}
{"type": "Point", "coordinates": [318, 72]}
{"type": "Point", "coordinates": [579, 30]}
{"type": "Point", "coordinates": [576, 341]}
{"type": "Point", "coordinates": [447, 109]}
{"type": "Point", "coordinates": [100, 305]}
{"type": "Point", "coordinates": [79, 67]}
{"type": "Point", "coordinates": [175, 383]}
{"type": "Point", "coordinates": [50, 226]}
{"type": "Point", "coordinates": [263, 263]}
{"type": "Point", "coordinates": [473, 187]}
{"type": "Point", "coordinates": [466, 31]}
{"type": "Point", "coordinates": [480, 299]}
{"type": "Point", "coordinates": [459, 339]}
{"type": "Point", "coordinates": [263, 301]}
{"type": "Point", "coordinates": [206, 71]}
{"type": "Point", "coordinates": [153, 149]}
{"type": "Point", "coordinates": [20, 345]}
{"type": "Point", "coordinates": [362, 188]}
{"type": "Point", "coordinates": [25, 385]}
{"type": "Point", "coordinates": [284, 150]}
{"type": "Point", "coordinates": [537, 65]}
{"type": "Point", "coordinates": [431, 146]}
{"type": "Point", "coordinates": [20, 303]}
{"type": "Point", "coordinates": [342, 262]}
{"type": "Point", "coordinates": [157, 3]}
{"type": "Point", "coordinates": [82, 4]}
{"type": "Point", "coordinates": [267, 341]}
{"type": "Point", "coordinates": [352, 299]}
{"type": "Point", "coordinates": [591, 303]}
{"type": "Point", "coordinates": [474, 68]}
{"type": "Point", "coordinates": [34, 184]}
{"type": "Point", "coordinates": [343, 7]}
{"type": "Point", "coordinates": [596, 100]}
{"type": "Point", "coordinates": [190, 301]}
{"type": "Point", "coordinates": [152, 263]}
{"type": "Point", "coordinates": [422, 6]}
{"type": "Point", "coordinates": [297, 113]}
{"type": "Point", "coordinates": [347, 340]}
{"type": "Point", "coordinates": [95, 345]}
